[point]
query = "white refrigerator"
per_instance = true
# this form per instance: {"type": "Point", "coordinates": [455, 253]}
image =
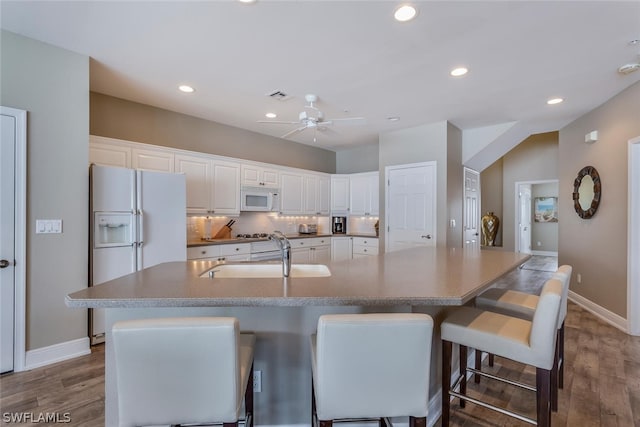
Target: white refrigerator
{"type": "Point", "coordinates": [138, 219]}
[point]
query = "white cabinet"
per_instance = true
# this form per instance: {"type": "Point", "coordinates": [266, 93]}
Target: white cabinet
{"type": "Point", "coordinates": [316, 250]}
{"type": "Point", "coordinates": [109, 154]}
{"type": "Point", "coordinates": [197, 171]}
{"type": "Point", "coordinates": [258, 176]}
{"type": "Point", "coordinates": [341, 248]}
{"type": "Point", "coordinates": [158, 160]}
{"type": "Point", "coordinates": [316, 195]}
{"type": "Point", "coordinates": [226, 188]}
{"type": "Point", "coordinates": [230, 252]}
{"type": "Point", "coordinates": [213, 186]}
{"type": "Point", "coordinates": [291, 193]}
{"type": "Point", "coordinates": [340, 193]}
{"type": "Point", "coordinates": [363, 194]}
{"type": "Point", "coordinates": [364, 246]}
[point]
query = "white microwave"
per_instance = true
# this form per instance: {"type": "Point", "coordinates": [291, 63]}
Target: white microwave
{"type": "Point", "coordinates": [258, 199]}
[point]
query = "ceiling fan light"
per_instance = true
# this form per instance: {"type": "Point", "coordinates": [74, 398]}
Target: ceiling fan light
{"type": "Point", "coordinates": [554, 101]}
{"type": "Point", "coordinates": [405, 12]}
{"type": "Point", "coordinates": [186, 89]}
{"type": "Point", "coordinates": [458, 72]}
{"type": "Point", "coordinates": [271, 115]}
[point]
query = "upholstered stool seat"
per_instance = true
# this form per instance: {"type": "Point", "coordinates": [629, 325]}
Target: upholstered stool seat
{"type": "Point", "coordinates": [371, 366]}
{"type": "Point", "coordinates": [526, 341]}
{"type": "Point", "coordinates": [523, 305]}
{"type": "Point", "coordinates": [182, 371]}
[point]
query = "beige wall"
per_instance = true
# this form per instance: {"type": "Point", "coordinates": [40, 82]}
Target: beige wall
{"type": "Point", "coordinates": [544, 235]}
{"type": "Point", "coordinates": [597, 247]}
{"type": "Point", "coordinates": [118, 118]}
{"type": "Point", "coordinates": [359, 159]}
{"type": "Point", "coordinates": [455, 186]}
{"type": "Point", "coordinates": [534, 159]}
{"type": "Point", "coordinates": [52, 85]}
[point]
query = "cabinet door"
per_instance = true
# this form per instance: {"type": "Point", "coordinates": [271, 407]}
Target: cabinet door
{"type": "Point", "coordinates": [300, 255]}
{"type": "Point", "coordinates": [109, 155]}
{"type": "Point", "coordinates": [226, 188]}
{"type": "Point", "coordinates": [340, 193]}
{"type": "Point", "coordinates": [257, 176]}
{"type": "Point", "coordinates": [340, 248]}
{"type": "Point", "coordinates": [374, 195]}
{"type": "Point", "coordinates": [310, 195]}
{"type": "Point", "coordinates": [291, 201]}
{"type": "Point", "coordinates": [358, 194]}
{"type": "Point", "coordinates": [197, 172]}
{"type": "Point", "coordinates": [271, 178]}
{"type": "Point", "coordinates": [250, 175]}
{"type": "Point", "coordinates": [152, 160]}
{"type": "Point", "coordinates": [321, 254]}
{"type": "Point", "coordinates": [324, 184]}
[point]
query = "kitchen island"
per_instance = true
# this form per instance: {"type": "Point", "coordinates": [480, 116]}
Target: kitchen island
{"type": "Point", "coordinates": [284, 312]}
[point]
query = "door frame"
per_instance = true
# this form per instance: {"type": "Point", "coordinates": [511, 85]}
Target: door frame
{"type": "Point", "coordinates": [633, 250]}
{"type": "Point", "coordinates": [477, 214]}
{"type": "Point", "coordinates": [516, 221]}
{"type": "Point", "coordinates": [20, 236]}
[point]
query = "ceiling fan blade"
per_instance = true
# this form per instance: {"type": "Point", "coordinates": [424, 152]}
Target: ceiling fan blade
{"type": "Point", "coordinates": [327, 130]}
{"type": "Point", "coordinates": [347, 121]}
{"type": "Point", "coordinates": [278, 122]}
{"type": "Point", "coordinates": [300, 129]}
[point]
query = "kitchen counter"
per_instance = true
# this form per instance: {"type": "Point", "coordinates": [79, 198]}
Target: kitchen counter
{"type": "Point", "coordinates": [420, 276]}
{"type": "Point", "coordinates": [233, 240]}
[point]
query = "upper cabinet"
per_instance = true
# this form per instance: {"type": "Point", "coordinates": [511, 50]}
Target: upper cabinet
{"type": "Point", "coordinates": [291, 193]}
{"type": "Point", "coordinates": [109, 154]}
{"type": "Point", "coordinates": [304, 194]}
{"type": "Point", "coordinates": [340, 193]}
{"type": "Point", "coordinates": [316, 194]}
{"type": "Point", "coordinates": [363, 194]}
{"type": "Point", "coordinates": [156, 159]}
{"type": "Point", "coordinates": [258, 176]}
{"type": "Point", "coordinates": [213, 186]}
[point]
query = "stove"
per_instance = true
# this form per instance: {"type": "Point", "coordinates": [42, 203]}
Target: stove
{"type": "Point", "coordinates": [252, 236]}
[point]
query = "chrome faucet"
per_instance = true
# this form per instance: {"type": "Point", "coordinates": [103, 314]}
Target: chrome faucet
{"type": "Point", "coordinates": [285, 249]}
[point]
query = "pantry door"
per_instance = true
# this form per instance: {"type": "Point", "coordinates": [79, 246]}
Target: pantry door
{"type": "Point", "coordinates": [410, 206]}
{"type": "Point", "coordinates": [12, 238]}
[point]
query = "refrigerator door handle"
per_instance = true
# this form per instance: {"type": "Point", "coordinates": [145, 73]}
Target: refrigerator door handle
{"type": "Point", "coordinates": [140, 228]}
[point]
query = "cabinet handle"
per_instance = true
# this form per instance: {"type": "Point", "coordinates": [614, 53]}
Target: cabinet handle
{"type": "Point", "coordinates": [428, 236]}
{"type": "Point", "coordinates": [203, 252]}
{"type": "Point", "coordinates": [365, 242]}
{"type": "Point", "coordinates": [237, 249]}
{"type": "Point", "coordinates": [365, 250]}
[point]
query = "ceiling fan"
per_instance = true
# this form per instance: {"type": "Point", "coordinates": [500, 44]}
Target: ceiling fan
{"type": "Point", "coordinates": [314, 119]}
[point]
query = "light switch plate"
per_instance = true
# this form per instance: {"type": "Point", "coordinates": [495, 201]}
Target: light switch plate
{"type": "Point", "coordinates": [48, 226]}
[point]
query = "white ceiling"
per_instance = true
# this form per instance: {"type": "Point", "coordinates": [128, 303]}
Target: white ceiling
{"type": "Point", "coordinates": [353, 55]}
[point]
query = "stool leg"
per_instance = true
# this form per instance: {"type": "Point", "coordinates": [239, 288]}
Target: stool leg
{"type": "Point", "coordinates": [543, 393]}
{"type": "Point", "coordinates": [561, 356]}
{"type": "Point", "coordinates": [463, 373]}
{"type": "Point", "coordinates": [248, 399]}
{"type": "Point", "coordinates": [491, 358]}
{"type": "Point", "coordinates": [476, 377]}
{"type": "Point", "coordinates": [417, 421]}
{"type": "Point", "coordinates": [554, 380]}
{"type": "Point", "coordinates": [446, 381]}
{"type": "Point", "coordinates": [325, 423]}
{"type": "Point", "coordinates": [313, 402]}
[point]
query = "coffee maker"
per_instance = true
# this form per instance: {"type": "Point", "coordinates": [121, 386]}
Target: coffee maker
{"type": "Point", "coordinates": [339, 225]}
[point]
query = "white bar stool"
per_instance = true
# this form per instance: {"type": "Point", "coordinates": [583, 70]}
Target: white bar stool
{"type": "Point", "coordinates": [530, 342]}
{"type": "Point", "coordinates": [183, 370]}
{"type": "Point", "coordinates": [523, 305]}
{"type": "Point", "coordinates": [371, 366]}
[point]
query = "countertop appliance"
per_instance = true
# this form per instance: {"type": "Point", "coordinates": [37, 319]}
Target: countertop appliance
{"type": "Point", "coordinates": [258, 199]}
{"type": "Point", "coordinates": [339, 225]}
{"type": "Point", "coordinates": [137, 220]}
{"type": "Point", "coordinates": [308, 228]}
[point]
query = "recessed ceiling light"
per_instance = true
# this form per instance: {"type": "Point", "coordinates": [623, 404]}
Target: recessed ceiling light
{"type": "Point", "coordinates": [393, 119]}
{"type": "Point", "coordinates": [405, 13]}
{"type": "Point", "coordinates": [247, 1]}
{"type": "Point", "coordinates": [460, 71]}
{"type": "Point", "coordinates": [271, 115]}
{"type": "Point", "coordinates": [554, 101]}
{"type": "Point", "coordinates": [186, 89]}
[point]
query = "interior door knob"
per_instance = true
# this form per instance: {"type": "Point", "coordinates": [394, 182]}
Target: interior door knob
{"type": "Point", "coordinates": [4, 263]}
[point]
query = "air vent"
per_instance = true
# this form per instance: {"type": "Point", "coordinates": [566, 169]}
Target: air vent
{"type": "Point", "coordinates": [279, 95]}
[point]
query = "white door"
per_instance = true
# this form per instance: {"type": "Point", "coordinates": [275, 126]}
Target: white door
{"type": "Point", "coordinates": [471, 208]}
{"type": "Point", "coordinates": [410, 206]}
{"type": "Point", "coordinates": [524, 195]}
{"type": "Point", "coordinates": [7, 242]}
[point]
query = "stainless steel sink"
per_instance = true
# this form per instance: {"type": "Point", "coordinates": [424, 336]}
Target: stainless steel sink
{"type": "Point", "coordinates": [243, 271]}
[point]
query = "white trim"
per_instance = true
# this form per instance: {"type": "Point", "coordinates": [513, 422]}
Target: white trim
{"type": "Point", "coordinates": [633, 243]}
{"type": "Point", "coordinates": [544, 253]}
{"type": "Point", "coordinates": [611, 318]}
{"type": "Point", "coordinates": [57, 353]}
{"type": "Point", "coordinates": [20, 251]}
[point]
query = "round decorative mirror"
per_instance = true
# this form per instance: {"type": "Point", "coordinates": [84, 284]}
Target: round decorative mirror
{"type": "Point", "coordinates": [586, 192]}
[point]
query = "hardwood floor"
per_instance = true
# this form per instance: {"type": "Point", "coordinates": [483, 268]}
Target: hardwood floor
{"type": "Point", "coordinates": [602, 380]}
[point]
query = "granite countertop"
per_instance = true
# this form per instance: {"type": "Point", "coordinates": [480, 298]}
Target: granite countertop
{"type": "Point", "coordinates": [418, 276]}
{"type": "Point", "coordinates": [233, 240]}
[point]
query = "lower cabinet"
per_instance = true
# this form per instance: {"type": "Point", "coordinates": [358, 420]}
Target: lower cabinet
{"type": "Point", "coordinates": [230, 252]}
{"type": "Point", "coordinates": [315, 250]}
{"type": "Point", "coordinates": [341, 248]}
{"type": "Point", "coordinates": [364, 246]}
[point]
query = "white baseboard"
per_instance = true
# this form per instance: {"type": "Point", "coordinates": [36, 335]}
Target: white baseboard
{"type": "Point", "coordinates": [611, 318]}
{"type": "Point", "coordinates": [56, 353]}
{"type": "Point", "coordinates": [544, 253]}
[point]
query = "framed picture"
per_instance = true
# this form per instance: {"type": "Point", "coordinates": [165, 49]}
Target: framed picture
{"type": "Point", "coordinates": [546, 209]}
